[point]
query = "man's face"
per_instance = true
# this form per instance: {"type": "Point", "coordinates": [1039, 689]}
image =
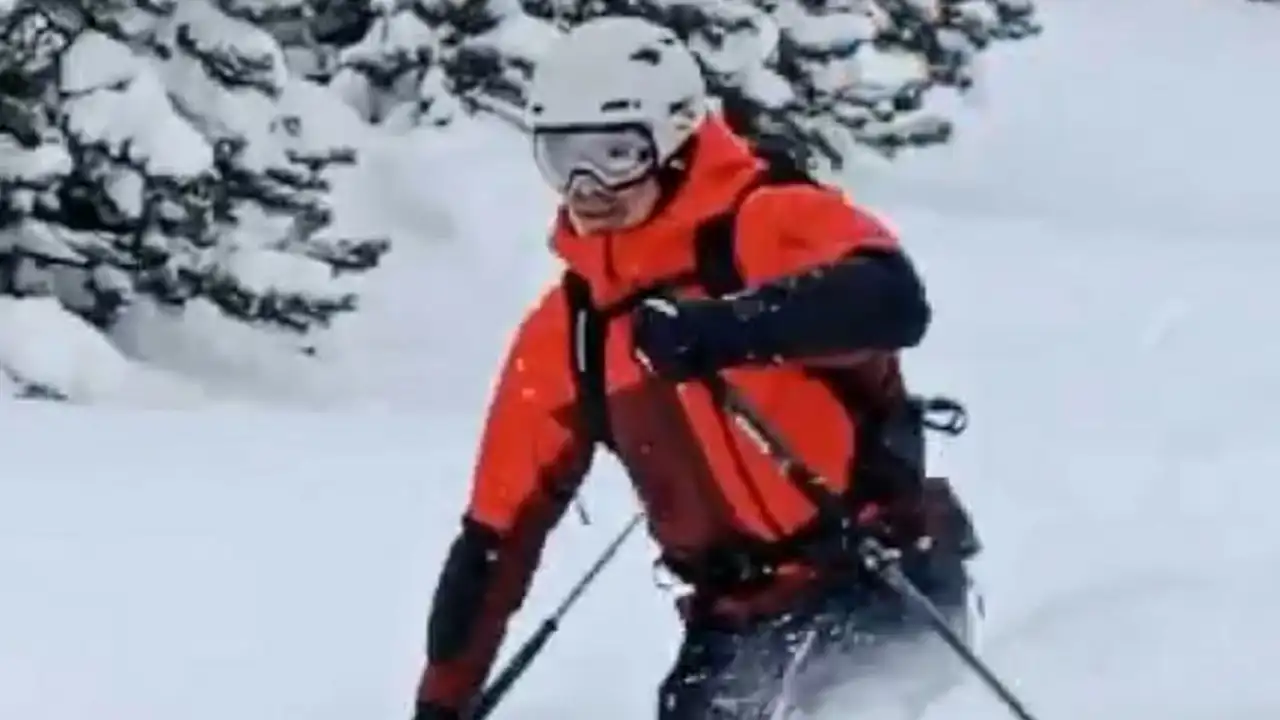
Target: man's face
{"type": "Point", "coordinates": [594, 208]}
{"type": "Point", "coordinates": [606, 175]}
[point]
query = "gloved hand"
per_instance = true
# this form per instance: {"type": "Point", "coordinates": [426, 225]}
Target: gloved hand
{"type": "Point", "coordinates": [683, 339]}
{"type": "Point", "coordinates": [432, 711]}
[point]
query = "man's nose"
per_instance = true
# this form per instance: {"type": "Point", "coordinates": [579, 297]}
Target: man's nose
{"type": "Point", "coordinates": [586, 187]}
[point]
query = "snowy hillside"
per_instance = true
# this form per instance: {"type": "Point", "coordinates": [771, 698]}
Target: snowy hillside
{"type": "Point", "coordinates": [1100, 245]}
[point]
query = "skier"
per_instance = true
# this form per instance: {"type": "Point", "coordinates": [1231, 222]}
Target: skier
{"type": "Point", "coordinates": [690, 255]}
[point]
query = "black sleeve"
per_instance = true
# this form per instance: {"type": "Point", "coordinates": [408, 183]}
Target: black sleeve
{"type": "Point", "coordinates": [870, 300]}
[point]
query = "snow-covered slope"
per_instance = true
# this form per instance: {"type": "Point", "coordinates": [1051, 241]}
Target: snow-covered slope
{"type": "Point", "coordinates": [242, 563]}
{"type": "Point", "coordinates": [1154, 115]}
{"type": "Point", "coordinates": [1103, 302]}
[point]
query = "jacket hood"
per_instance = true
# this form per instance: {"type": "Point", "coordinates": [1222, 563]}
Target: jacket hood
{"type": "Point", "coordinates": [618, 264]}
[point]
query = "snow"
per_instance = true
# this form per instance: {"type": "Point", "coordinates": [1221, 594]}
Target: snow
{"type": "Point", "coordinates": [754, 39]}
{"type": "Point", "coordinates": [35, 166]}
{"type": "Point", "coordinates": [324, 121]}
{"type": "Point", "coordinates": [95, 61]}
{"type": "Point", "coordinates": [264, 270]}
{"type": "Point", "coordinates": [520, 36]}
{"type": "Point", "coordinates": [41, 240]}
{"type": "Point", "coordinates": [1099, 244]}
{"type": "Point", "coordinates": [128, 123]}
{"type": "Point", "coordinates": [398, 34]}
{"type": "Point", "coordinates": [1174, 136]}
{"type": "Point", "coordinates": [216, 33]}
{"type": "Point", "coordinates": [43, 344]}
{"type": "Point", "coordinates": [246, 113]}
{"type": "Point", "coordinates": [116, 101]}
{"type": "Point", "coordinates": [396, 39]}
{"type": "Point", "coordinates": [826, 31]}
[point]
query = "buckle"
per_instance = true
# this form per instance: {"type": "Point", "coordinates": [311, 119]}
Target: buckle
{"type": "Point", "coordinates": [941, 413]}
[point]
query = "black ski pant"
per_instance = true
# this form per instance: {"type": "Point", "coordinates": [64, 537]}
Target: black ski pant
{"type": "Point", "coordinates": [840, 633]}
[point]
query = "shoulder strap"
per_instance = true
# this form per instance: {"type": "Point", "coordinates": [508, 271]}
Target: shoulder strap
{"type": "Point", "coordinates": [716, 258]}
{"type": "Point", "coordinates": [586, 352]}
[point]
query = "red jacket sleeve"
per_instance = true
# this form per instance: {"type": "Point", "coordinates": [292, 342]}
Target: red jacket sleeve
{"type": "Point", "coordinates": [531, 460]}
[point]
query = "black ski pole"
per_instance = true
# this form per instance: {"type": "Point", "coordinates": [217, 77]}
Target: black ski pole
{"type": "Point", "coordinates": [884, 563]}
{"type": "Point", "coordinates": [524, 657]}
{"type": "Point", "coordinates": [877, 558]}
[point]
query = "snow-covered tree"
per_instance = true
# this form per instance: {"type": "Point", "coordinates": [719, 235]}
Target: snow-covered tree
{"type": "Point", "coordinates": [311, 32]}
{"type": "Point", "coordinates": [817, 76]}
{"type": "Point", "coordinates": [160, 149]}
{"type": "Point", "coordinates": [423, 62]}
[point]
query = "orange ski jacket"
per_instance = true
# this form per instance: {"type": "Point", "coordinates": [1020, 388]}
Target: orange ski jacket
{"type": "Point", "coordinates": [704, 485]}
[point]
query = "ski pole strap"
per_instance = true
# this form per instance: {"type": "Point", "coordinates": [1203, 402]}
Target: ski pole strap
{"type": "Point", "coordinates": [942, 414]}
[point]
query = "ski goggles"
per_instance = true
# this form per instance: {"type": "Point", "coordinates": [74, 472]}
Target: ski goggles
{"type": "Point", "coordinates": [612, 157]}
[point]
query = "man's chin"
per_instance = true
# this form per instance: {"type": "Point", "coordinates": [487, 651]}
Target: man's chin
{"type": "Point", "coordinates": [596, 221]}
{"type": "Point", "coordinates": [597, 213]}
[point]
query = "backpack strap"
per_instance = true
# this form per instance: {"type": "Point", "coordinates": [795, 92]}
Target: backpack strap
{"type": "Point", "coordinates": [714, 252]}
{"type": "Point", "coordinates": [586, 353]}
{"type": "Point", "coordinates": [717, 263]}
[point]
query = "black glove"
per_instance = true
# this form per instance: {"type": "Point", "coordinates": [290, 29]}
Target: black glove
{"type": "Point", "coordinates": [683, 339]}
{"type": "Point", "coordinates": [432, 711]}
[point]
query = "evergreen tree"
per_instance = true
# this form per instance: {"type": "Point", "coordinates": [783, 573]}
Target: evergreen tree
{"type": "Point", "coordinates": [160, 149]}
{"type": "Point", "coordinates": [423, 62]}
{"type": "Point", "coordinates": [310, 31]}
{"type": "Point", "coordinates": [819, 77]}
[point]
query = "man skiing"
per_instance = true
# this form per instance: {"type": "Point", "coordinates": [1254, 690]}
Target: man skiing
{"type": "Point", "coordinates": [690, 257]}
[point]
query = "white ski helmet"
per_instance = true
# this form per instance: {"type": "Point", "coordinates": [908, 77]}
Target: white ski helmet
{"type": "Point", "coordinates": [614, 71]}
